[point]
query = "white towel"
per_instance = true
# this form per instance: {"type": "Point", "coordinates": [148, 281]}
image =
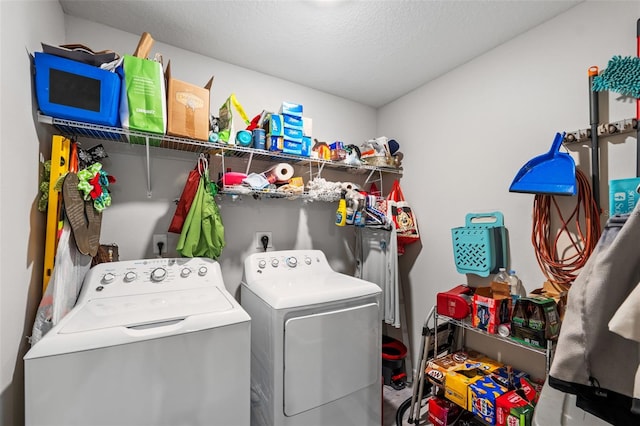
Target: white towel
{"type": "Point", "coordinates": [377, 262]}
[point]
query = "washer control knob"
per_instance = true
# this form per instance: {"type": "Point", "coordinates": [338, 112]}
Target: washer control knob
{"type": "Point", "coordinates": [185, 272]}
{"type": "Point", "coordinates": [292, 262]}
{"type": "Point", "coordinates": [108, 278]}
{"type": "Point", "coordinates": [274, 263]}
{"type": "Point", "coordinates": [130, 276]}
{"type": "Point", "coordinates": [202, 271]}
{"type": "Point", "coordinates": [262, 264]}
{"type": "Point", "coordinates": [158, 274]}
{"type": "Point", "coordinates": [307, 260]}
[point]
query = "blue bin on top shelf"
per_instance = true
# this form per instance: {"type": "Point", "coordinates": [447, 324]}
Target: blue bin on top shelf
{"type": "Point", "coordinates": [73, 90]}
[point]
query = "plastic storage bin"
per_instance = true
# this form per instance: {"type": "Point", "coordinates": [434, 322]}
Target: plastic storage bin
{"type": "Point", "coordinates": [76, 91]}
{"type": "Point", "coordinates": [479, 247]}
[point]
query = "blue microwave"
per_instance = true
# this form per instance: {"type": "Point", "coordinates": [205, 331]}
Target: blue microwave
{"type": "Point", "coordinates": [76, 91]}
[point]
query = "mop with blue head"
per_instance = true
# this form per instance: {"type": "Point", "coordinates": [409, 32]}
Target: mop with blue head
{"type": "Point", "coordinates": [622, 75]}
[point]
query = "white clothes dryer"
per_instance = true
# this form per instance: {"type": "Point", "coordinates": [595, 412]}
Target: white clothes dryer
{"type": "Point", "coordinates": [315, 342]}
{"type": "Point", "coordinates": [149, 342]}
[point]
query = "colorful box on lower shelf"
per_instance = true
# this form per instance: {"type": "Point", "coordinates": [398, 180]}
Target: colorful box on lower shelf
{"type": "Point", "coordinates": [457, 382]}
{"type": "Point", "coordinates": [483, 394]}
{"type": "Point", "coordinates": [442, 412]}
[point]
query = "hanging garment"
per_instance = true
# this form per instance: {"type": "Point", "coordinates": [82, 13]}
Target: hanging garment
{"type": "Point", "coordinates": [591, 361]}
{"type": "Point", "coordinates": [377, 262]}
{"type": "Point", "coordinates": [626, 323]}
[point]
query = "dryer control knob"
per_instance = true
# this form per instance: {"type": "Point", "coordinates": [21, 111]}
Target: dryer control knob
{"type": "Point", "coordinates": [307, 260]}
{"type": "Point", "coordinates": [292, 262]}
{"type": "Point", "coordinates": [262, 264]}
{"type": "Point", "coordinates": [158, 274]}
{"type": "Point", "coordinates": [108, 278]}
{"type": "Point", "coordinates": [202, 271]}
{"type": "Point", "coordinates": [130, 276]}
{"type": "Point", "coordinates": [274, 263]}
{"type": "Point", "coordinates": [185, 272]}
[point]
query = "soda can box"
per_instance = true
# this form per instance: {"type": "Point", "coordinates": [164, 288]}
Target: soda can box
{"type": "Point", "coordinates": [509, 377]}
{"type": "Point", "coordinates": [623, 195]}
{"type": "Point", "coordinates": [73, 90]}
{"type": "Point", "coordinates": [442, 412]}
{"type": "Point", "coordinates": [457, 382]}
{"type": "Point", "coordinates": [483, 394]}
{"type": "Point", "coordinates": [507, 402]}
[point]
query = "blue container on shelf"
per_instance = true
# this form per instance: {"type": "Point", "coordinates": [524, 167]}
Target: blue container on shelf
{"type": "Point", "coordinates": [76, 91]}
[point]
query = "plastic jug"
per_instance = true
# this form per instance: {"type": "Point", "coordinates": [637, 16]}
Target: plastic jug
{"type": "Point", "coordinates": [515, 284]}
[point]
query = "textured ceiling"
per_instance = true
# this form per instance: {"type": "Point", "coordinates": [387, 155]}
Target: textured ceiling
{"type": "Point", "coordinates": [371, 52]}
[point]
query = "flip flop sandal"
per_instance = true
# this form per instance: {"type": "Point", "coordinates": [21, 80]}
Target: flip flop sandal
{"type": "Point", "coordinates": [85, 221]}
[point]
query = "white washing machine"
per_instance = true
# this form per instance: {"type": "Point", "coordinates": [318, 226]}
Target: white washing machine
{"type": "Point", "coordinates": [315, 342]}
{"type": "Point", "coordinates": [149, 342]}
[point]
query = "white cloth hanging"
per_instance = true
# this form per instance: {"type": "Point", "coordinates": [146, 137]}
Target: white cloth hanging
{"type": "Point", "coordinates": [377, 262]}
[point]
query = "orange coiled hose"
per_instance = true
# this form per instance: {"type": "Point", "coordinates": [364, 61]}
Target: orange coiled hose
{"type": "Point", "coordinates": [556, 264]}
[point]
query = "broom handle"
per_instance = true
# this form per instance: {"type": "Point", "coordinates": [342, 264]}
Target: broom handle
{"type": "Point", "coordinates": [595, 150]}
{"type": "Point", "coordinates": [638, 106]}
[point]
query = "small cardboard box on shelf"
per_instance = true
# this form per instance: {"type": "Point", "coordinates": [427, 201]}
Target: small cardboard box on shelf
{"type": "Point", "coordinates": [187, 107]}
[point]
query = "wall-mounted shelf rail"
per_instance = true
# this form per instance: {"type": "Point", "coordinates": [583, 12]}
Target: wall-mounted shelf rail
{"type": "Point", "coordinates": [627, 125]}
{"type": "Point", "coordinates": [71, 128]}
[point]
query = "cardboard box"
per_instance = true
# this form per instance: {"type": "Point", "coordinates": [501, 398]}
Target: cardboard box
{"type": "Point", "coordinates": [293, 122]}
{"type": "Point", "coordinates": [457, 382]}
{"type": "Point", "coordinates": [535, 320]}
{"type": "Point", "coordinates": [491, 307]}
{"type": "Point", "coordinates": [291, 108]}
{"type": "Point", "coordinates": [442, 412]}
{"type": "Point", "coordinates": [557, 292]}
{"type": "Point", "coordinates": [511, 400]}
{"type": "Point", "coordinates": [274, 124]}
{"type": "Point", "coordinates": [187, 108]}
{"type": "Point", "coordinates": [515, 408]}
{"type": "Point", "coordinates": [291, 147]}
{"type": "Point", "coordinates": [508, 377]}
{"type": "Point", "coordinates": [437, 369]}
{"type": "Point", "coordinates": [292, 134]}
{"type": "Point", "coordinates": [483, 394]}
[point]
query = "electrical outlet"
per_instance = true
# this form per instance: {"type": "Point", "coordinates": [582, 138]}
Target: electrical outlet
{"type": "Point", "coordinates": [160, 238]}
{"type": "Point", "coordinates": [258, 239]}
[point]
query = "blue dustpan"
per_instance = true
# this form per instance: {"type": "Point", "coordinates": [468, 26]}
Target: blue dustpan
{"type": "Point", "coordinates": [553, 173]}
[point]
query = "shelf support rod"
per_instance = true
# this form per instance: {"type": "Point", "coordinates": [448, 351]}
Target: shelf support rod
{"type": "Point", "coordinates": [246, 172]}
{"type": "Point", "coordinates": [148, 168]}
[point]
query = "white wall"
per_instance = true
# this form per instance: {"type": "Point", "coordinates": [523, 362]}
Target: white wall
{"type": "Point", "coordinates": [23, 26]}
{"type": "Point", "coordinates": [466, 134]}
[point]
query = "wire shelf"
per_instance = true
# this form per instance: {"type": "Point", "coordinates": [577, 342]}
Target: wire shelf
{"type": "Point", "coordinates": [116, 134]}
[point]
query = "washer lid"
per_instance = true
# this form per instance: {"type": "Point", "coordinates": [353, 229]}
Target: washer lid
{"type": "Point", "coordinates": [140, 309]}
{"type": "Point", "coordinates": [299, 290]}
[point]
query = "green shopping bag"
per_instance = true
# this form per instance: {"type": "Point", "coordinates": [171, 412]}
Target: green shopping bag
{"type": "Point", "coordinates": [143, 101]}
{"type": "Point", "coordinates": [202, 232]}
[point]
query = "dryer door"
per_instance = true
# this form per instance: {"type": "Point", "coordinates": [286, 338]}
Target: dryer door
{"type": "Point", "coordinates": [330, 355]}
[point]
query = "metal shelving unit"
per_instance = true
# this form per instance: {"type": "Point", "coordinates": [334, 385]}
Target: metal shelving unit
{"type": "Point", "coordinates": [72, 128]}
{"type": "Point", "coordinates": [466, 325]}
